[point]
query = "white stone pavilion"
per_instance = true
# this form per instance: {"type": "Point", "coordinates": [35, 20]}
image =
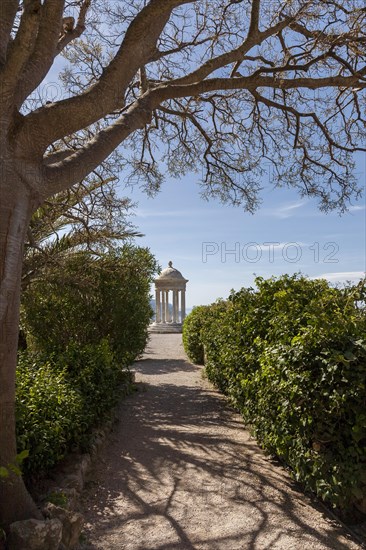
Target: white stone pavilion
{"type": "Point", "coordinates": [170, 288]}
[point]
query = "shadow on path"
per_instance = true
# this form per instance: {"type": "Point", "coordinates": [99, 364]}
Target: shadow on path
{"type": "Point", "coordinates": [150, 367]}
{"type": "Point", "coordinates": [181, 472]}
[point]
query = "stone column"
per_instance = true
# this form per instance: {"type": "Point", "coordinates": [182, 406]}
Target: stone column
{"type": "Point", "coordinates": [167, 314]}
{"type": "Point", "coordinates": [157, 307]}
{"type": "Point", "coordinates": [175, 306]}
{"type": "Point", "coordinates": [163, 310]}
{"type": "Point", "coordinates": [183, 305]}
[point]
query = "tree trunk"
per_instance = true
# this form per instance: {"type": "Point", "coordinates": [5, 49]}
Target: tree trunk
{"type": "Point", "coordinates": [16, 205]}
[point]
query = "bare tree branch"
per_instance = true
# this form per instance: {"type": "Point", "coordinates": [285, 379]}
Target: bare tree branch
{"type": "Point", "coordinates": [254, 17]}
{"type": "Point", "coordinates": [235, 55]}
{"type": "Point", "coordinates": [24, 41]}
{"type": "Point", "coordinates": [69, 115]}
{"type": "Point", "coordinates": [44, 50]}
{"type": "Point", "coordinates": [253, 82]}
{"type": "Point", "coordinates": [298, 115]}
{"type": "Point", "coordinates": [70, 34]}
{"type": "Point", "coordinates": [293, 51]}
{"type": "Point", "coordinates": [77, 165]}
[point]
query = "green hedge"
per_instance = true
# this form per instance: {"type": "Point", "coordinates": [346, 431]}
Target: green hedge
{"type": "Point", "coordinates": [192, 337]}
{"type": "Point", "coordinates": [47, 413]}
{"type": "Point", "coordinates": [60, 399]}
{"type": "Point", "coordinates": [90, 298]}
{"type": "Point", "coordinates": [84, 322]}
{"type": "Point", "coordinates": [292, 358]}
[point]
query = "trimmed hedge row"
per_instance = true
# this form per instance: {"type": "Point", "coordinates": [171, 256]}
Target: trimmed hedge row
{"type": "Point", "coordinates": [192, 337]}
{"type": "Point", "coordinates": [84, 324]}
{"type": "Point", "coordinates": [89, 299]}
{"type": "Point", "coordinates": [291, 356]}
{"type": "Point", "coordinates": [60, 399]}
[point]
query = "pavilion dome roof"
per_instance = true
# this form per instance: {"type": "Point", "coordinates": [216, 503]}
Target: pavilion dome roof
{"type": "Point", "coordinates": [170, 274]}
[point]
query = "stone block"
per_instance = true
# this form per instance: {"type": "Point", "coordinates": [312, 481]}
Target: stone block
{"type": "Point", "coordinates": [33, 534]}
{"type": "Point", "coordinates": [72, 523]}
{"type": "Point", "coordinates": [85, 465]}
{"type": "Point", "coordinates": [74, 481]}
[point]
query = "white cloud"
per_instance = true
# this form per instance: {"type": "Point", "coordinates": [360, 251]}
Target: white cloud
{"type": "Point", "coordinates": [357, 208]}
{"type": "Point", "coordinates": [342, 276]}
{"type": "Point", "coordinates": [286, 211]}
{"type": "Point", "coordinates": [280, 246]}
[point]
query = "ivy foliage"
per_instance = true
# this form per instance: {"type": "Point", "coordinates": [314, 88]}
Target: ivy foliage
{"type": "Point", "coordinates": [291, 356]}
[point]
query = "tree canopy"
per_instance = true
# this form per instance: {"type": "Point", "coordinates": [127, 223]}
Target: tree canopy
{"type": "Point", "coordinates": [225, 84]}
{"type": "Point", "coordinates": [89, 216]}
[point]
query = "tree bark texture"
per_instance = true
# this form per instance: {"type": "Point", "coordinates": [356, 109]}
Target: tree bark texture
{"type": "Point", "coordinates": [16, 205]}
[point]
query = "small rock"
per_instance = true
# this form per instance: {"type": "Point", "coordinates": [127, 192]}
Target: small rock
{"type": "Point", "coordinates": [85, 465]}
{"type": "Point", "coordinates": [72, 523]}
{"type": "Point", "coordinates": [33, 534]}
{"type": "Point", "coordinates": [72, 529]}
{"type": "Point", "coordinates": [61, 496]}
{"type": "Point", "coordinates": [98, 442]}
{"type": "Point", "coordinates": [74, 481]}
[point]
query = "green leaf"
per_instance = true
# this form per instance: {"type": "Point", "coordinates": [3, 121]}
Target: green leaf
{"type": "Point", "coordinates": [4, 472]}
{"type": "Point", "coordinates": [21, 456]}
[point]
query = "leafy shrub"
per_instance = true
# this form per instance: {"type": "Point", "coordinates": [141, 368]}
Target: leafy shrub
{"type": "Point", "coordinates": [192, 337]}
{"type": "Point", "coordinates": [48, 410]}
{"type": "Point", "coordinates": [91, 299]}
{"type": "Point", "coordinates": [224, 336]}
{"type": "Point", "coordinates": [84, 323]}
{"type": "Point", "coordinates": [292, 357]}
{"type": "Point", "coordinates": [125, 278]}
{"type": "Point", "coordinates": [96, 374]}
{"type": "Point", "coordinates": [60, 399]}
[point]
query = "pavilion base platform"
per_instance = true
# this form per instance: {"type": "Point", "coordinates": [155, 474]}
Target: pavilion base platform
{"type": "Point", "coordinates": [165, 328]}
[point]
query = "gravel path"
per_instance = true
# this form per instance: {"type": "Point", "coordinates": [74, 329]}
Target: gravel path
{"type": "Point", "coordinates": [179, 471]}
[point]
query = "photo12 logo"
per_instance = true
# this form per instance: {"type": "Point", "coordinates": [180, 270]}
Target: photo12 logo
{"type": "Point", "coordinates": [253, 252]}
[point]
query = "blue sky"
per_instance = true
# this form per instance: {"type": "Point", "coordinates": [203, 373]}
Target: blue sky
{"type": "Point", "coordinates": [286, 235]}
